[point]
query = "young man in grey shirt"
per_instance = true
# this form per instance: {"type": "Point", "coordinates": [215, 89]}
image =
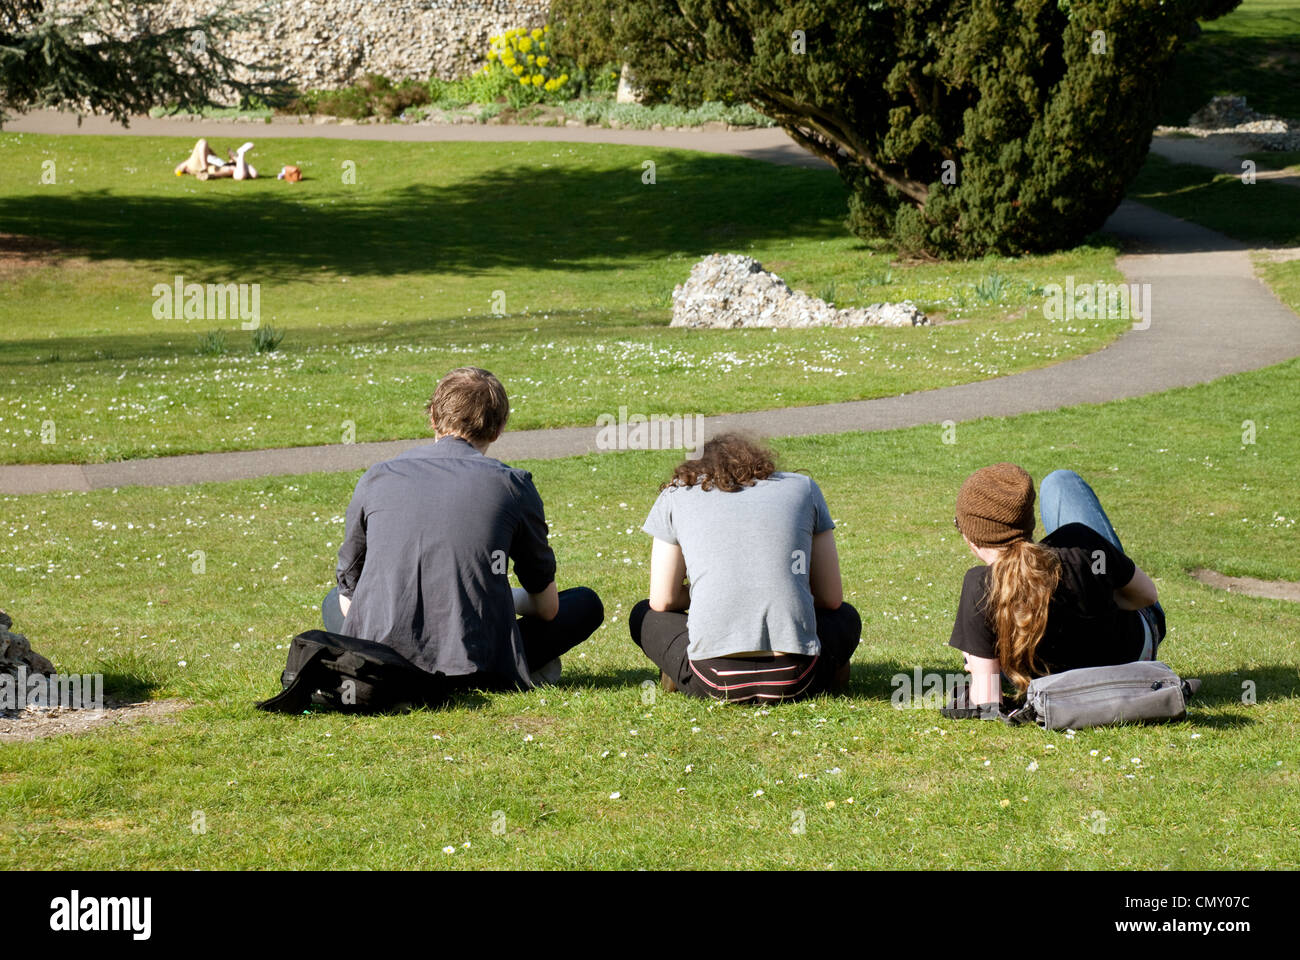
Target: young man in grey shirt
{"type": "Point", "coordinates": [429, 537]}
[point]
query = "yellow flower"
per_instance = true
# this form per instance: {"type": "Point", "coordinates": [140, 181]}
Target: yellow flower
{"type": "Point", "coordinates": [492, 55]}
{"type": "Point", "coordinates": [525, 44]}
{"type": "Point", "coordinates": [532, 58]}
{"type": "Point", "coordinates": [523, 81]}
{"type": "Point", "coordinates": [546, 29]}
{"type": "Point", "coordinates": [541, 44]}
{"type": "Point", "coordinates": [517, 69]}
{"type": "Point", "coordinates": [543, 61]}
{"type": "Point", "coordinates": [538, 79]}
{"type": "Point", "coordinates": [564, 77]}
{"type": "Point", "coordinates": [536, 34]}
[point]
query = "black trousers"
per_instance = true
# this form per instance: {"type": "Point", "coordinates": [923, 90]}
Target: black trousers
{"type": "Point", "coordinates": [663, 638]}
{"type": "Point", "coordinates": [580, 614]}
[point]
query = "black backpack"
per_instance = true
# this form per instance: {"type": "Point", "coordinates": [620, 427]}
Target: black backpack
{"type": "Point", "coordinates": [336, 672]}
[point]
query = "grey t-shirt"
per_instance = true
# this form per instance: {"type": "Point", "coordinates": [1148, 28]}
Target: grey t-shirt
{"type": "Point", "coordinates": [747, 555]}
{"type": "Point", "coordinates": [424, 559]}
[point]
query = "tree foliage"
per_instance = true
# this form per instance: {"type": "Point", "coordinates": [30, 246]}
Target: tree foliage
{"type": "Point", "coordinates": [113, 57]}
{"type": "Point", "coordinates": [961, 127]}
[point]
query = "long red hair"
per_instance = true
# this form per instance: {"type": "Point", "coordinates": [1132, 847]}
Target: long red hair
{"type": "Point", "coordinates": [1022, 581]}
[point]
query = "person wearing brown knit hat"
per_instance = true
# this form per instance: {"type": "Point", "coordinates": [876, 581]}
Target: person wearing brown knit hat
{"type": "Point", "coordinates": [1072, 600]}
{"type": "Point", "coordinates": [996, 506]}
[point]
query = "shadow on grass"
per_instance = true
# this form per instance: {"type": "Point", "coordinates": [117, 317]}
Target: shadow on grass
{"type": "Point", "coordinates": [607, 680]}
{"type": "Point", "coordinates": [1246, 684]}
{"type": "Point", "coordinates": [1267, 214]}
{"type": "Point", "coordinates": [1222, 62]}
{"type": "Point", "coordinates": [555, 218]}
{"type": "Point", "coordinates": [128, 687]}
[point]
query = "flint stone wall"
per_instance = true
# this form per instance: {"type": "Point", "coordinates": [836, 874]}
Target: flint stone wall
{"type": "Point", "coordinates": [332, 43]}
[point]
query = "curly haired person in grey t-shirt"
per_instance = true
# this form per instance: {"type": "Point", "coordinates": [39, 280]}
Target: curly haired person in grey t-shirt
{"type": "Point", "coordinates": [746, 602]}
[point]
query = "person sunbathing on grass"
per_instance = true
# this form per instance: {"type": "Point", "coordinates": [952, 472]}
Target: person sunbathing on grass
{"type": "Point", "coordinates": [423, 566]}
{"type": "Point", "coordinates": [1072, 600]}
{"type": "Point", "coordinates": [203, 164]}
{"type": "Point", "coordinates": [763, 617]}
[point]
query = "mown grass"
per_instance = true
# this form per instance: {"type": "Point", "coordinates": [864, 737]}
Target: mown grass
{"type": "Point", "coordinates": [103, 581]}
{"type": "Point", "coordinates": [1254, 51]}
{"type": "Point", "coordinates": [1276, 159]}
{"type": "Point", "coordinates": [383, 285]}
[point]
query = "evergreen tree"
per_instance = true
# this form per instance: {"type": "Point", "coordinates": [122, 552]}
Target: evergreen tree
{"type": "Point", "coordinates": [960, 127]}
{"type": "Point", "coordinates": [114, 57]}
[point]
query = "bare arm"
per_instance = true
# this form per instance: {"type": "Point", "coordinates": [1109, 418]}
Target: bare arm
{"type": "Point", "coordinates": [824, 572]}
{"type": "Point", "coordinates": [986, 679]}
{"type": "Point", "coordinates": [1140, 592]}
{"type": "Point", "coordinates": [543, 606]}
{"type": "Point", "coordinates": [668, 589]}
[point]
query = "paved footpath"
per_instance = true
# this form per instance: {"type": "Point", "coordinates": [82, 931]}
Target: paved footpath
{"type": "Point", "coordinates": [1210, 317]}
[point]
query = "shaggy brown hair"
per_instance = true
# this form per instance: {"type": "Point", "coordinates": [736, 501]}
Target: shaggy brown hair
{"type": "Point", "coordinates": [728, 462]}
{"type": "Point", "coordinates": [469, 403]}
{"type": "Point", "coordinates": [1022, 581]}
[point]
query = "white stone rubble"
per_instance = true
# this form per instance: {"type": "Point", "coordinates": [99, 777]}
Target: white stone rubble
{"type": "Point", "coordinates": [727, 290]}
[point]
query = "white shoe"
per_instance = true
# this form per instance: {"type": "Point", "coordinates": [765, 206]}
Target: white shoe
{"type": "Point", "coordinates": [548, 674]}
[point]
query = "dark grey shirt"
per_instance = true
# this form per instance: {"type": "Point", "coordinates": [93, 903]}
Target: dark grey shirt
{"type": "Point", "coordinates": [424, 559]}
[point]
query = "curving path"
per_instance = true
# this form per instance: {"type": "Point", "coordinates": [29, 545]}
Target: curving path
{"type": "Point", "coordinates": [1210, 317]}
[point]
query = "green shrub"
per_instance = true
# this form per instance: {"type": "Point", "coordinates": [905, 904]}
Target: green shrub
{"type": "Point", "coordinates": [371, 96]}
{"type": "Point", "coordinates": [527, 58]}
{"type": "Point", "coordinates": [267, 339]}
{"type": "Point", "coordinates": [212, 343]}
{"type": "Point", "coordinates": [584, 33]}
{"type": "Point", "coordinates": [990, 287]}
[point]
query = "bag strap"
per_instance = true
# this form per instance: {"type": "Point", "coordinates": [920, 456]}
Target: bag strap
{"type": "Point", "coordinates": [959, 707]}
{"type": "Point", "coordinates": [296, 696]}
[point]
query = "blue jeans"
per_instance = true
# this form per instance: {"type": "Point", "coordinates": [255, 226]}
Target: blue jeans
{"type": "Point", "coordinates": [1064, 497]}
{"type": "Point", "coordinates": [331, 612]}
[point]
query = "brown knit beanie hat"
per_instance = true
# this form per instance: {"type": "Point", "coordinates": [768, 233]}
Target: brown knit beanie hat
{"type": "Point", "coordinates": [996, 506]}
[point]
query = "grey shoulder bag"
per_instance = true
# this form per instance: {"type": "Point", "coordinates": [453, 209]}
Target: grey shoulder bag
{"type": "Point", "coordinates": [1139, 692]}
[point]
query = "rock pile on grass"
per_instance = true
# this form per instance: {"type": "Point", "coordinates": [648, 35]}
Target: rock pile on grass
{"type": "Point", "coordinates": [727, 290]}
{"type": "Point", "coordinates": [16, 652]}
{"type": "Point", "coordinates": [1232, 116]}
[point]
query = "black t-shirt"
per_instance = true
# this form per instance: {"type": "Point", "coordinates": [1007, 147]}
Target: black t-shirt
{"type": "Point", "coordinates": [1084, 626]}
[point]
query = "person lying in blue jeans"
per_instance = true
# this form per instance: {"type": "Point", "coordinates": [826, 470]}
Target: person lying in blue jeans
{"type": "Point", "coordinates": [1072, 600]}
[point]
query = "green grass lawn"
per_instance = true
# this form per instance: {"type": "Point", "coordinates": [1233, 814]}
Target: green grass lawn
{"type": "Point", "coordinates": [103, 582]}
{"type": "Point", "coordinates": [1288, 160]}
{"type": "Point", "coordinates": [382, 285]}
{"type": "Point", "coordinates": [1253, 51]}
